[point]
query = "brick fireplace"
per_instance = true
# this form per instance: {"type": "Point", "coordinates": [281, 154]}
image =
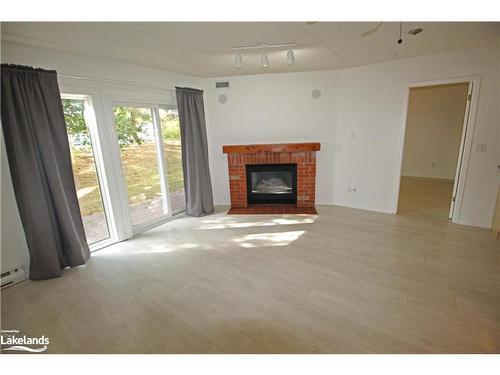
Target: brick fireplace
{"type": "Point", "coordinates": [299, 185]}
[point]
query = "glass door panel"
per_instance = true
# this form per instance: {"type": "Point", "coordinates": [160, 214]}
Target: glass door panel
{"type": "Point", "coordinates": [137, 139]}
{"type": "Point", "coordinates": [84, 171]}
{"type": "Point", "coordinates": [171, 139]}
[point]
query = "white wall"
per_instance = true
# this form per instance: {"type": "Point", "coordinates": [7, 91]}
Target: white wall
{"type": "Point", "coordinates": [433, 130]}
{"type": "Point", "coordinates": [14, 250]}
{"type": "Point", "coordinates": [359, 122]}
{"type": "Point", "coordinates": [83, 66]}
{"type": "Point", "coordinates": [275, 108]}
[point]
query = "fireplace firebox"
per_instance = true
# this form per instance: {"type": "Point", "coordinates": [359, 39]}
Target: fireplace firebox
{"type": "Point", "coordinates": [271, 183]}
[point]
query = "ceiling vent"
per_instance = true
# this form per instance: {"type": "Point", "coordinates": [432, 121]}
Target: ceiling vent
{"type": "Point", "coordinates": [222, 85]}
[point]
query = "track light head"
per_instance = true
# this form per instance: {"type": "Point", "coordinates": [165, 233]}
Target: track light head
{"type": "Point", "coordinates": [238, 61]}
{"type": "Point", "coordinates": [290, 57]}
{"type": "Point", "coordinates": [264, 61]}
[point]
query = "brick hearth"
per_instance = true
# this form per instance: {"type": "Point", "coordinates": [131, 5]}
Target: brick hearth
{"type": "Point", "coordinates": [272, 209]}
{"type": "Point", "coordinates": [302, 154]}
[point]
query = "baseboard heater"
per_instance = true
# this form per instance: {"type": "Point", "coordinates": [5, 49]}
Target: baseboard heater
{"type": "Point", "coordinates": [12, 276]}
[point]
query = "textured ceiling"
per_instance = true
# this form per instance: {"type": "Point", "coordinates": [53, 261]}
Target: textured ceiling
{"type": "Point", "coordinates": [205, 48]}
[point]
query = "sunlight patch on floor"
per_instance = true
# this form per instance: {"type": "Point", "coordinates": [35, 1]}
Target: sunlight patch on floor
{"type": "Point", "coordinates": [230, 223]}
{"type": "Point", "coordinates": [268, 239]}
{"type": "Point", "coordinates": [151, 249]}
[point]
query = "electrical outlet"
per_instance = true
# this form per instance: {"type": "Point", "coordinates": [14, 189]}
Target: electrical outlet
{"type": "Point", "coordinates": [433, 165]}
{"type": "Point", "coordinates": [354, 189]}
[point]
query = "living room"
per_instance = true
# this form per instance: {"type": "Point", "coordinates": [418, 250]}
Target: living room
{"type": "Point", "coordinates": [248, 188]}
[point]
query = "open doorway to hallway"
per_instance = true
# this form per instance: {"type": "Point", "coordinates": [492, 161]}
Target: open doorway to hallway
{"type": "Point", "coordinates": [435, 132]}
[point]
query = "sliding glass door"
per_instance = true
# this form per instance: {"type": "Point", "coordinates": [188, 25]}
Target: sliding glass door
{"type": "Point", "coordinates": [149, 142]}
{"type": "Point", "coordinates": [85, 171]}
{"type": "Point", "coordinates": [127, 164]}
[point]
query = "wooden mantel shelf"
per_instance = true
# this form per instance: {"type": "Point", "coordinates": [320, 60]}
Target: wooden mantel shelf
{"type": "Point", "coordinates": [277, 147]}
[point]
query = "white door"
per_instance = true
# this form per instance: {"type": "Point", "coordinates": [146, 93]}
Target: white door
{"type": "Point", "coordinates": [461, 150]}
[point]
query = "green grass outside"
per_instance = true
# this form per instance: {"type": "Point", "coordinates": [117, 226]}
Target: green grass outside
{"type": "Point", "coordinates": [141, 173]}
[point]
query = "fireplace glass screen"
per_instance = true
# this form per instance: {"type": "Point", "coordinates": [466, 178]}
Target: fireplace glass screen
{"type": "Point", "coordinates": [272, 183]}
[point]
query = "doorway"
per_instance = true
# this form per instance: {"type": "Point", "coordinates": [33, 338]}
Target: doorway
{"type": "Point", "coordinates": [433, 149]}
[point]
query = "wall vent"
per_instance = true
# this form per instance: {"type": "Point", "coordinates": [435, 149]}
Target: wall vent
{"type": "Point", "coordinates": [222, 85]}
{"type": "Point", "coordinates": [12, 277]}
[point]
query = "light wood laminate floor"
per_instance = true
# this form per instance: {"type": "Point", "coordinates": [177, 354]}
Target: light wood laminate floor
{"type": "Point", "coordinates": [425, 197]}
{"type": "Point", "coordinates": [346, 281]}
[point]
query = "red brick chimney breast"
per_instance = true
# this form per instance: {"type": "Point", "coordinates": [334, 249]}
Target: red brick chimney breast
{"type": "Point", "coordinates": [302, 154]}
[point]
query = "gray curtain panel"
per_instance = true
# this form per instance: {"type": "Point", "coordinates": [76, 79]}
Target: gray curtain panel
{"type": "Point", "coordinates": [40, 165]}
{"type": "Point", "coordinates": [197, 183]}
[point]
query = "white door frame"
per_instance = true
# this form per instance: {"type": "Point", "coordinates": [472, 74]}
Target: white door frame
{"type": "Point", "coordinates": [465, 124]}
{"type": "Point", "coordinates": [465, 146]}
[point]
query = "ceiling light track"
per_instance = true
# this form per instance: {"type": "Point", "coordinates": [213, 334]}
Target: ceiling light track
{"type": "Point", "coordinates": [263, 48]}
{"type": "Point", "coordinates": [260, 46]}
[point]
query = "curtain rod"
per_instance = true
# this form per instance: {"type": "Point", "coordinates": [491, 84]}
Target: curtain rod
{"type": "Point", "coordinates": [127, 83]}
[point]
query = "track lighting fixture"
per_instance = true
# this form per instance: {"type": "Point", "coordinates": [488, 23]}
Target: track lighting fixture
{"type": "Point", "coordinates": [263, 48]}
{"type": "Point", "coordinates": [290, 57]}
